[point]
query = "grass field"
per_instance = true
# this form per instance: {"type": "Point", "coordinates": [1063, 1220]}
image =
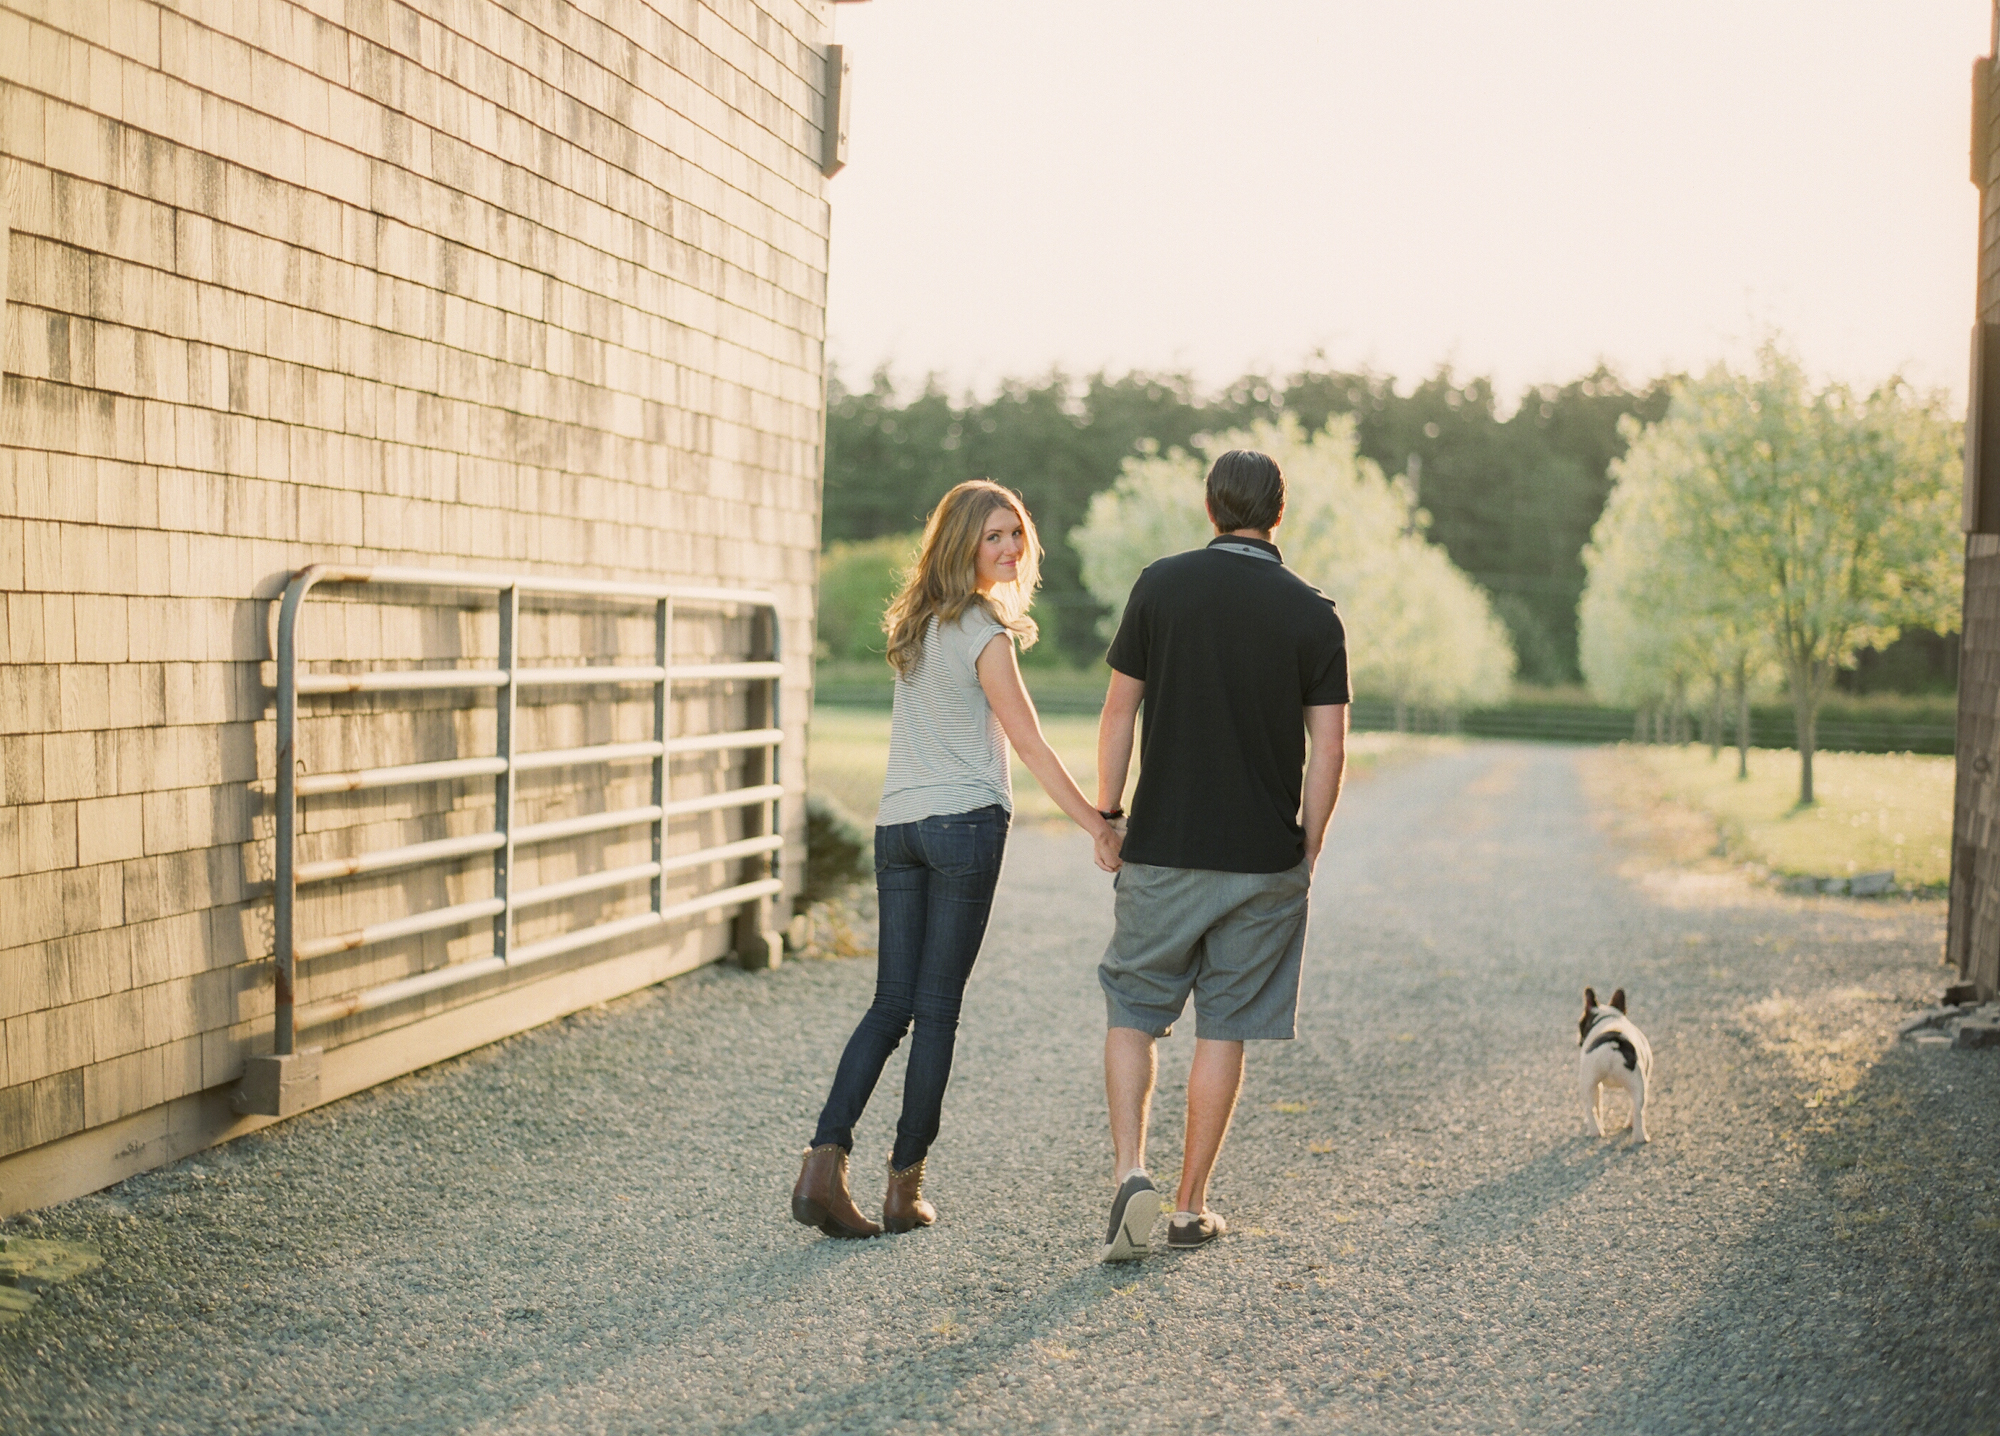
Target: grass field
{"type": "Point", "coordinates": [848, 752]}
{"type": "Point", "coordinates": [1874, 810]}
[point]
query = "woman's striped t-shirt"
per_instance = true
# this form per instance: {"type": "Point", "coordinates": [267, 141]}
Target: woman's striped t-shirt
{"type": "Point", "coordinates": [947, 752]}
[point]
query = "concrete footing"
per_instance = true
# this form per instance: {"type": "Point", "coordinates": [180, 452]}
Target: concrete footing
{"type": "Point", "coordinates": [274, 1086]}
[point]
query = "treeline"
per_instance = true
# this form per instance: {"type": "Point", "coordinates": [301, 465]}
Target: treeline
{"type": "Point", "coordinates": [1511, 499]}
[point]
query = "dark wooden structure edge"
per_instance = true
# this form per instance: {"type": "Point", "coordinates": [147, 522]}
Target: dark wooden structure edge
{"type": "Point", "coordinates": [1972, 941]}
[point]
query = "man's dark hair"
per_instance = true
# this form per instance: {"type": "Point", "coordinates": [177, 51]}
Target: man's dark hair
{"type": "Point", "coordinates": [1246, 490]}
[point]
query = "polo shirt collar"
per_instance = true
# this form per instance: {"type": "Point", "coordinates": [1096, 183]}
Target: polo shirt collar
{"type": "Point", "coordinates": [1250, 547]}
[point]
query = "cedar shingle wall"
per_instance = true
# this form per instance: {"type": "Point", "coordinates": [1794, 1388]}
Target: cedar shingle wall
{"type": "Point", "coordinates": [532, 285]}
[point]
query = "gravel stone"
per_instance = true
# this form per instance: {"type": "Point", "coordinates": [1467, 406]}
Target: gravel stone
{"type": "Point", "coordinates": [584, 1229]}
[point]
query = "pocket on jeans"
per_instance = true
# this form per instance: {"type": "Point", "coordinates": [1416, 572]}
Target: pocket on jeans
{"type": "Point", "coordinates": [963, 846]}
{"type": "Point", "coordinates": [892, 846]}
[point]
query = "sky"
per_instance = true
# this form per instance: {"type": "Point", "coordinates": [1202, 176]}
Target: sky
{"type": "Point", "coordinates": [1518, 188]}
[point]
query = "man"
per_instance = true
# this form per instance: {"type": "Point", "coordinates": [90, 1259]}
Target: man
{"type": "Point", "coordinates": [1236, 659]}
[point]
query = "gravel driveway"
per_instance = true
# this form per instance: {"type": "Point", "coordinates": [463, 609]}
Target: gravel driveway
{"type": "Point", "coordinates": [585, 1229]}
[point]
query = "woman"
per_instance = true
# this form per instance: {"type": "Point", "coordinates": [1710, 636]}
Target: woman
{"type": "Point", "coordinates": [942, 827]}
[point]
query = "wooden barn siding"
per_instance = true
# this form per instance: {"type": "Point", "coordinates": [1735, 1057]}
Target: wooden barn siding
{"type": "Point", "coordinates": [1973, 938]}
{"type": "Point", "coordinates": [532, 285]}
{"type": "Point", "coordinates": [1975, 891]}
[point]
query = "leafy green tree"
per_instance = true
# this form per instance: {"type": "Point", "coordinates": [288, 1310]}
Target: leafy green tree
{"type": "Point", "coordinates": [1655, 619]}
{"type": "Point", "coordinates": [856, 582]}
{"type": "Point", "coordinates": [1818, 522]}
{"type": "Point", "coordinates": [1636, 642]}
{"type": "Point", "coordinates": [1419, 632]}
{"type": "Point", "coordinates": [1837, 512]}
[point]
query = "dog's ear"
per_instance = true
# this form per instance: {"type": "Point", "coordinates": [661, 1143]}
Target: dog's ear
{"type": "Point", "coordinates": [1618, 999]}
{"type": "Point", "coordinates": [1589, 1000]}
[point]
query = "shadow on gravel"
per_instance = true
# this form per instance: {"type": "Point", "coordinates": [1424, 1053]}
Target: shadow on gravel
{"type": "Point", "coordinates": [926, 1387]}
{"type": "Point", "coordinates": [1507, 1205]}
{"type": "Point", "coordinates": [1869, 1299]}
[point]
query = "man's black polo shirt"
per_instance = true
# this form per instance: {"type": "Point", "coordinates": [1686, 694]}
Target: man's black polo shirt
{"type": "Point", "coordinates": [1233, 647]}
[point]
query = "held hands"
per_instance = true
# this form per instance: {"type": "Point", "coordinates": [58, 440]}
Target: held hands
{"type": "Point", "coordinates": [1107, 845]}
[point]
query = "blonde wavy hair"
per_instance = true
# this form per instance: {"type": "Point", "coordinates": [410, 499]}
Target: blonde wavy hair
{"type": "Point", "coordinates": [941, 584]}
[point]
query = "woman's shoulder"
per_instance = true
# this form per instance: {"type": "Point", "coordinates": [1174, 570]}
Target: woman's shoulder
{"type": "Point", "coordinates": [973, 627]}
{"type": "Point", "coordinates": [955, 643]}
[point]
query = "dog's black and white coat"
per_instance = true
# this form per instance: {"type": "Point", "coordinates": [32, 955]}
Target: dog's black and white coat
{"type": "Point", "coordinates": [1613, 1051]}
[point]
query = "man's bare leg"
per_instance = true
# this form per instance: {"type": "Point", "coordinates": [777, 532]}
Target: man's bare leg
{"type": "Point", "coordinates": [1213, 1082]}
{"type": "Point", "coordinates": [1130, 1065]}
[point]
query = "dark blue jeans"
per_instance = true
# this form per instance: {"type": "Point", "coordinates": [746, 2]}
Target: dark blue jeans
{"type": "Point", "coordinates": [934, 879]}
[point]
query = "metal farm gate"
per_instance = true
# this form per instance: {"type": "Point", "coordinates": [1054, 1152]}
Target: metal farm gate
{"type": "Point", "coordinates": [628, 784]}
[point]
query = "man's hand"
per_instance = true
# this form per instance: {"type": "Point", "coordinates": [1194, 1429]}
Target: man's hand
{"type": "Point", "coordinates": [1327, 727]}
{"type": "Point", "coordinates": [1107, 847]}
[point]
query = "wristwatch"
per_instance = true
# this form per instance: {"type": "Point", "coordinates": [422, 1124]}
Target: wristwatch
{"type": "Point", "coordinates": [1111, 817]}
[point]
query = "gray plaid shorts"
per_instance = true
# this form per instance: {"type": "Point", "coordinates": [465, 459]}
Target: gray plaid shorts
{"type": "Point", "coordinates": [1233, 940]}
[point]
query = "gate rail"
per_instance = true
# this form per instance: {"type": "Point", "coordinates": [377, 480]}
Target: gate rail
{"type": "Point", "coordinates": [287, 1081]}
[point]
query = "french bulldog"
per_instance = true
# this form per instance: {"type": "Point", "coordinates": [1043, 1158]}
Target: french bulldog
{"type": "Point", "coordinates": [1614, 1051]}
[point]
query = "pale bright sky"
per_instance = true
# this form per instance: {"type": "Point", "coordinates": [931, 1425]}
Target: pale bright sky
{"type": "Point", "coordinates": [1516, 186]}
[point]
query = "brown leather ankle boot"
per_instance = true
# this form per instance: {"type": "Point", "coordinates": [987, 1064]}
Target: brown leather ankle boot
{"type": "Point", "coordinates": [904, 1207]}
{"type": "Point", "coordinates": [820, 1198]}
